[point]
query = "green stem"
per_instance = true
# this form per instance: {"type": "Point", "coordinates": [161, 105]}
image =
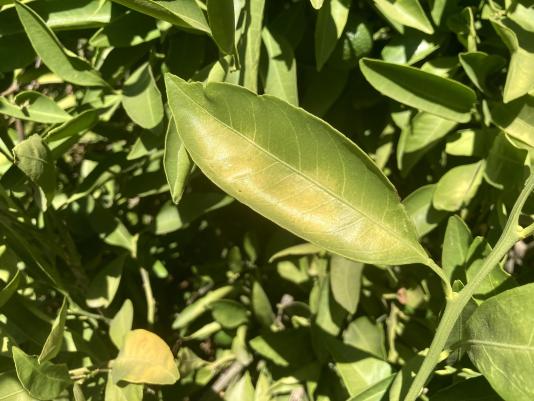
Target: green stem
{"type": "Point", "coordinates": [511, 234]}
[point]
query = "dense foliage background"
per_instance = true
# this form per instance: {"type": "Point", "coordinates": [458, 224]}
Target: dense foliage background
{"type": "Point", "coordinates": [106, 224]}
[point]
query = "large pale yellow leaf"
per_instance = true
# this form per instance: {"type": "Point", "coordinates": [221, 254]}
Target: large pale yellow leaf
{"type": "Point", "coordinates": [145, 358]}
{"type": "Point", "coordinates": [294, 169]}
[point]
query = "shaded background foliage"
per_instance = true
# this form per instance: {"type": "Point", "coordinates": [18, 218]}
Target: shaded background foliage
{"type": "Point", "coordinates": [100, 204]}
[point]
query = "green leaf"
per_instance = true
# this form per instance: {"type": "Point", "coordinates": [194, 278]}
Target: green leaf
{"type": "Point", "coordinates": [130, 29]}
{"type": "Point", "coordinates": [330, 314]}
{"type": "Point", "coordinates": [230, 314]}
{"type": "Point", "coordinates": [144, 358]}
{"type": "Point", "coordinates": [253, 43]}
{"type": "Point", "coordinates": [458, 186]}
{"type": "Point", "coordinates": [366, 335]}
{"type": "Point", "coordinates": [76, 125]}
{"type": "Point", "coordinates": [419, 207]}
{"type": "Point", "coordinates": [104, 286]}
{"type": "Point", "coordinates": [290, 347]}
{"type": "Point", "coordinates": [130, 392]}
{"type": "Point", "coordinates": [425, 91]}
{"type": "Point", "coordinates": [243, 389]}
{"type": "Point", "coordinates": [183, 13]}
{"type": "Point", "coordinates": [405, 12]}
{"type": "Point", "coordinates": [329, 27]}
{"type": "Point", "coordinates": [121, 324]}
{"type": "Point", "coordinates": [294, 169]}
{"type": "Point", "coordinates": [66, 65]}
{"type": "Point", "coordinates": [410, 47]}
{"type": "Point", "coordinates": [499, 342]}
{"type": "Point", "coordinates": [480, 67]}
{"type": "Point", "coordinates": [455, 248]}
{"type": "Point", "coordinates": [518, 40]}
{"type": "Point", "coordinates": [193, 311]}
{"type": "Point", "coordinates": [516, 119]}
{"type": "Point", "coordinates": [376, 392]}
{"type": "Point", "coordinates": [142, 98]}
{"type": "Point", "coordinates": [222, 23]}
{"type": "Point", "coordinates": [52, 345]}
{"type": "Point", "coordinates": [474, 389]}
{"type": "Point", "coordinates": [281, 76]}
{"type": "Point", "coordinates": [10, 288]}
{"type": "Point", "coordinates": [11, 389]}
{"type": "Point", "coordinates": [505, 164]}
{"type": "Point", "coordinates": [32, 156]}
{"type": "Point", "coordinates": [45, 381]}
{"type": "Point", "coordinates": [471, 142]}
{"type": "Point", "coordinates": [33, 106]}
{"type": "Point", "coordinates": [357, 369]}
{"type": "Point", "coordinates": [345, 282]}
{"type": "Point", "coordinates": [176, 162]}
{"type": "Point", "coordinates": [78, 393]}
{"type": "Point", "coordinates": [261, 306]}
{"type": "Point", "coordinates": [317, 4]}
{"type": "Point", "coordinates": [16, 51]}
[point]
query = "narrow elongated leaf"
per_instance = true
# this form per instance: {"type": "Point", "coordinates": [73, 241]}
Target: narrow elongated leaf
{"type": "Point", "coordinates": [176, 162]}
{"type": "Point", "coordinates": [294, 169]}
{"type": "Point", "coordinates": [53, 343]}
{"type": "Point", "coordinates": [76, 125]}
{"type": "Point", "coordinates": [222, 23]}
{"type": "Point", "coordinates": [407, 13]}
{"type": "Point", "coordinates": [281, 77]}
{"type": "Point", "coordinates": [499, 341]}
{"type": "Point", "coordinates": [261, 306]}
{"type": "Point", "coordinates": [10, 288]}
{"type": "Point", "coordinates": [345, 280]}
{"type": "Point", "coordinates": [142, 98]}
{"type": "Point", "coordinates": [145, 358]}
{"type": "Point", "coordinates": [422, 90]}
{"type": "Point", "coordinates": [43, 381]}
{"type": "Point", "coordinates": [67, 66]}
{"type": "Point", "coordinates": [331, 21]}
{"type": "Point", "coordinates": [11, 389]}
{"type": "Point", "coordinates": [121, 324]}
{"type": "Point", "coordinates": [184, 13]}
{"type": "Point", "coordinates": [458, 186]}
{"type": "Point", "coordinates": [253, 43]}
{"type": "Point", "coordinates": [34, 106]}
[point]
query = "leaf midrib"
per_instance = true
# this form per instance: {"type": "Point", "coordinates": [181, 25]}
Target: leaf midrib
{"type": "Point", "coordinates": [276, 158]}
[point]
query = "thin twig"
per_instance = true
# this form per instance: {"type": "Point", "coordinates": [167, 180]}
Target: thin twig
{"type": "Point", "coordinates": [150, 302]}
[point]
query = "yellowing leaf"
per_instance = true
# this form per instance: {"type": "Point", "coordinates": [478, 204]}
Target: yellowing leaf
{"type": "Point", "coordinates": [145, 358]}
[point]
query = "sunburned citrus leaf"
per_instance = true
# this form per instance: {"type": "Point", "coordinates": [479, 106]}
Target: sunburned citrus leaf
{"type": "Point", "coordinates": [425, 91]}
{"type": "Point", "coordinates": [183, 13]}
{"type": "Point", "coordinates": [294, 169]}
{"type": "Point", "coordinates": [66, 65]}
{"type": "Point", "coordinates": [499, 342]}
{"type": "Point", "coordinates": [145, 358]}
{"type": "Point", "coordinates": [43, 381]}
{"type": "Point", "coordinates": [53, 343]}
{"type": "Point", "coordinates": [33, 106]}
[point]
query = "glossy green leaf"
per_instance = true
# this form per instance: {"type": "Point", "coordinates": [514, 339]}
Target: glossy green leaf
{"type": "Point", "coordinates": [499, 341]}
{"type": "Point", "coordinates": [121, 324]}
{"type": "Point", "coordinates": [425, 91]}
{"type": "Point", "coordinates": [410, 47]}
{"type": "Point", "coordinates": [516, 119]}
{"type": "Point", "coordinates": [518, 40]}
{"type": "Point", "coordinates": [255, 10]}
{"type": "Point", "coordinates": [130, 392]}
{"type": "Point", "coordinates": [33, 106]}
{"type": "Point", "coordinates": [65, 64]}
{"type": "Point", "coordinates": [10, 288]}
{"type": "Point", "coordinates": [200, 306]}
{"type": "Point", "coordinates": [32, 156]}
{"type": "Point", "coordinates": [230, 314]}
{"type": "Point", "coordinates": [292, 179]}
{"type": "Point", "coordinates": [455, 247]}
{"type": "Point", "coordinates": [419, 207]}
{"type": "Point", "coordinates": [142, 98]}
{"type": "Point", "coordinates": [330, 315]}
{"type": "Point", "coordinates": [281, 76]}
{"type": "Point", "coordinates": [176, 162]}
{"type": "Point", "coordinates": [11, 389]}
{"type": "Point", "coordinates": [144, 358]}
{"type": "Point", "coordinates": [130, 29]}
{"type": "Point", "coordinates": [480, 67]}
{"type": "Point", "coordinates": [330, 24]}
{"type": "Point", "coordinates": [45, 381]}
{"type": "Point", "coordinates": [458, 186]}
{"type": "Point", "coordinates": [366, 336]}
{"type": "Point", "coordinates": [222, 23]}
{"type": "Point", "coordinates": [345, 282]}
{"type": "Point", "coordinates": [261, 306]}
{"type": "Point", "coordinates": [54, 341]}
{"type": "Point", "coordinates": [78, 124]}
{"type": "Point", "coordinates": [505, 165]}
{"type": "Point", "coordinates": [405, 12]}
{"type": "Point", "coordinates": [183, 13]}
{"type": "Point", "coordinates": [470, 142]}
{"type": "Point", "coordinates": [104, 286]}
